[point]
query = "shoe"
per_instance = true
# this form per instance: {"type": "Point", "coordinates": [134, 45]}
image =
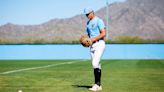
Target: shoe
{"type": "Point", "coordinates": [95, 87]}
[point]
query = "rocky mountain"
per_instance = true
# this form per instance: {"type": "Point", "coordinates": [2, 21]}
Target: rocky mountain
{"type": "Point", "coordinates": [54, 31]}
{"type": "Point", "coordinates": [133, 18]}
{"type": "Point", "coordinates": [141, 18]}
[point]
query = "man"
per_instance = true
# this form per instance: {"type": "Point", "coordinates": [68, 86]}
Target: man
{"type": "Point", "coordinates": [96, 31]}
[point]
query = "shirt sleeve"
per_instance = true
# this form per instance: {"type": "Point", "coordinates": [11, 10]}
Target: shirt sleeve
{"type": "Point", "coordinates": [101, 24]}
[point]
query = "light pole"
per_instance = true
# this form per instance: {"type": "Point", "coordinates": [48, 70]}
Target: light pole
{"type": "Point", "coordinates": [107, 21]}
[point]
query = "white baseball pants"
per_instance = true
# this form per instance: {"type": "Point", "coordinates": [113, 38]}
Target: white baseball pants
{"type": "Point", "coordinates": [96, 51]}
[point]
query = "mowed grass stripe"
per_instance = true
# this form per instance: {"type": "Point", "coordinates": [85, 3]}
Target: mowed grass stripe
{"type": "Point", "coordinates": [134, 76]}
{"type": "Point", "coordinates": [117, 76]}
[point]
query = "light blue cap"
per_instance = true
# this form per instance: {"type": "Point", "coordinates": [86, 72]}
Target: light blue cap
{"type": "Point", "coordinates": [88, 10]}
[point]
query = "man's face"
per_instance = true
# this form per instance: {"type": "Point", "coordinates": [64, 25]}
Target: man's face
{"type": "Point", "coordinates": [89, 15]}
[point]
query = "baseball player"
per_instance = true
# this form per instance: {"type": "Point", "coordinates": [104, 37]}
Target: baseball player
{"type": "Point", "coordinates": [95, 29]}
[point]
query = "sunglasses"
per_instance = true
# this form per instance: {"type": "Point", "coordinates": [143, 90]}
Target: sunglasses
{"type": "Point", "coordinates": [87, 14]}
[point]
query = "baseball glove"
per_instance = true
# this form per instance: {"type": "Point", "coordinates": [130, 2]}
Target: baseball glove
{"type": "Point", "coordinates": [85, 41]}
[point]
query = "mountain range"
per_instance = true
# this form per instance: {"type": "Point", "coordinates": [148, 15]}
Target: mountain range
{"type": "Point", "coordinates": [133, 18]}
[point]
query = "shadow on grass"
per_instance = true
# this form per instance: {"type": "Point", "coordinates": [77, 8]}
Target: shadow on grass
{"type": "Point", "coordinates": [82, 86]}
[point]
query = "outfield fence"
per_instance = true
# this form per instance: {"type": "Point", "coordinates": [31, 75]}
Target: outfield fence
{"type": "Point", "coordinates": [62, 51]}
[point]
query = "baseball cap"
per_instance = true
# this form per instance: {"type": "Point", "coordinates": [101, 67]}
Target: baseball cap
{"type": "Point", "coordinates": [88, 10]}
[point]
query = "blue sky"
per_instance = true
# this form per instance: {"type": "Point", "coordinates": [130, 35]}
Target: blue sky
{"type": "Point", "coordinates": [26, 12]}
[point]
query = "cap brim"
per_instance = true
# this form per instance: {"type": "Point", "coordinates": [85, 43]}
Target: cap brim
{"type": "Point", "coordinates": [88, 12]}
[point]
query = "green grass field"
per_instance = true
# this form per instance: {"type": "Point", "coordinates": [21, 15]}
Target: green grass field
{"type": "Point", "coordinates": [77, 76]}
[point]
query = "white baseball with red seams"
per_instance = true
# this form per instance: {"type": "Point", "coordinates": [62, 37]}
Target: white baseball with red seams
{"type": "Point", "coordinates": [20, 91]}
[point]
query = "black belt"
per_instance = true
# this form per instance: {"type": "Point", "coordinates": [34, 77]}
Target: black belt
{"type": "Point", "coordinates": [96, 41]}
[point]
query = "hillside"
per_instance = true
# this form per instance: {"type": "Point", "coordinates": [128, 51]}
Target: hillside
{"type": "Point", "coordinates": [134, 18]}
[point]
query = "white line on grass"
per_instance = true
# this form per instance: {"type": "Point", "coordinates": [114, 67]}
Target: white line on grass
{"type": "Point", "coordinates": [32, 68]}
